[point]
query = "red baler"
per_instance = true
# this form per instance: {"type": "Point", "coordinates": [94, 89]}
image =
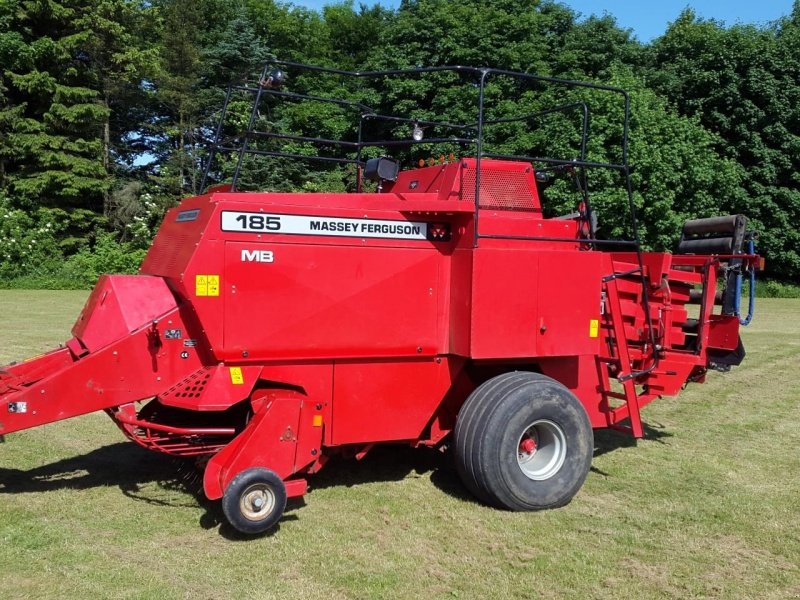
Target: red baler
{"type": "Point", "coordinates": [267, 332]}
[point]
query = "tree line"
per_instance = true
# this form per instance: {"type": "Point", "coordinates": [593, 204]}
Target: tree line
{"type": "Point", "coordinates": [107, 108]}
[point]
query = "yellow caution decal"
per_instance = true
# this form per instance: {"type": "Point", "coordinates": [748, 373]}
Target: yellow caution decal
{"type": "Point", "coordinates": [594, 328]}
{"type": "Point", "coordinates": [236, 376]}
{"type": "Point", "coordinates": [201, 285]}
{"type": "Point", "coordinates": [206, 285]}
{"type": "Point", "coordinates": [317, 421]}
{"type": "Point", "coordinates": [213, 285]}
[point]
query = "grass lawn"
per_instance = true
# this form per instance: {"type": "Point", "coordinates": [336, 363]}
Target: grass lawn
{"type": "Point", "coordinates": [707, 506]}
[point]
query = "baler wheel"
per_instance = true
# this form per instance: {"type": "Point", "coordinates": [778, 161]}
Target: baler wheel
{"type": "Point", "coordinates": [523, 441]}
{"type": "Point", "coordinates": [254, 501]}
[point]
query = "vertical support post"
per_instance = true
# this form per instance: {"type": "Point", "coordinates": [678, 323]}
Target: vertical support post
{"type": "Point", "coordinates": [359, 169]}
{"type": "Point", "coordinates": [250, 124]}
{"type": "Point", "coordinates": [217, 134]}
{"type": "Point", "coordinates": [707, 303]}
{"type": "Point", "coordinates": [478, 154]}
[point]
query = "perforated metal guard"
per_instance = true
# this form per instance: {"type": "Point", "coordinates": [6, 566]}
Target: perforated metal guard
{"type": "Point", "coordinates": [503, 189]}
{"type": "Point", "coordinates": [167, 262]}
{"type": "Point", "coordinates": [191, 387]}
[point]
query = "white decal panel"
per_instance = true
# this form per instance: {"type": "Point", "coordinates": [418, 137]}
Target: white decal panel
{"type": "Point", "coordinates": [250, 222]}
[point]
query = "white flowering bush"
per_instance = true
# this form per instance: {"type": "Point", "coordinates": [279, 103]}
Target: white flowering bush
{"type": "Point", "coordinates": [143, 225]}
{"type": "Point", "coordinates": [27, 241]}
{"type": "Point", "coordinates": [53, 248]}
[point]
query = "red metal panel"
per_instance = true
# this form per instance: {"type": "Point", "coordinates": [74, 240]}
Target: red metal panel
{"type": "Point", "coordinates": [387, 400]}
{"type": "Point", "coordinates": [723, 332]}
{"type": "Point", "coordinates": [216, 388]}
{"type": "Point", "coordinates": [118, 305]}
{"type": "Point", "coordinates": [315, 381]}
{"type": "Point", "coordinates": [504, 303]}
{"type": "Point", "coordinates": [581, 375]}
{"type": "Point", "coordinates": [424, 180]}
{"type": "Point", "coordinates": [270, 440]}
{"type": "Point", "coordinates": [139, 365]}
{"type": "Point", "coordinates": [417, 207]}
{"type": "Point", "coordinates": [509, 223]}
{"type": "Point", "coordinates": [178, 237]}
{"type": "Point", "coordinates": [330, 302]}
{"type": "Point", "coordinates": [456, 324]}
{"type": "Point", "coordinates": [208, 260]}
{"type": "Point", "coordinates": [17, 375]}
{"type": "Point", "coordinates": [503, 185]}
{"type": "Point", "coordinates": [309, 436]}
{"type": "Point", "coordinates": [569, 290]}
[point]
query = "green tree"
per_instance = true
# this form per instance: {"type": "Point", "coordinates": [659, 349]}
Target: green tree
{"type": "Point", "coordinates": [522, 36]}
{"type": "Point", "coordinates": [53, 116]}
{"type": "Point", "coordinates": [592, 46]}
{"type": "Point", "coordinates": [294, 33]}
{"type": "Point", "coordinates": [742, 83]}
{"type": "Point", "coordinates": [354, 34]}
{"type": "Point", "coordinates": [203, 50]}
{"type": "Point", "coordinates": [111, 37]}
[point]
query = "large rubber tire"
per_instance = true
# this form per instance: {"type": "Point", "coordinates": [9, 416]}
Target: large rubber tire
{"type": "Point", "coordinates": [254, 501]}
{"type": "Point", "coordinates": [523, 441]}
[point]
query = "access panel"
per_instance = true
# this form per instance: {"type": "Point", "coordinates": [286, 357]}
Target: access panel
{"type": "Point", "coordinates": [504, 303]}
{"type": "Point", "coordinates": [529, 303]}
{"type": "Point", "coordinates": [570, 298]}
{"type": "Point", "coordinates": [288, 301]}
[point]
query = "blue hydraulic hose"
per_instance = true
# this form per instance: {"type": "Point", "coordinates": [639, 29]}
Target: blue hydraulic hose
{"type": "Point", "coordinates": [751, 306]}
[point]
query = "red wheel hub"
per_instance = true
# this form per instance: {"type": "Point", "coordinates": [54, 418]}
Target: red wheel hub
{"type": "Point", "coordinates": [527, 446]}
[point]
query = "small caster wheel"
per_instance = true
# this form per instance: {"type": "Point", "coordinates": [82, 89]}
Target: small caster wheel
{"type": "Point", "coordinates": [254, 501]}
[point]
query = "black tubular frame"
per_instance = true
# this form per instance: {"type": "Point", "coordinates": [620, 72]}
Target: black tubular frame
{"type": "Point", "coordinates": [482, 75]}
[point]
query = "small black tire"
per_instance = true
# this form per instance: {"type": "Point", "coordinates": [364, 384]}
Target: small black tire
{"type": "Point", "coordinates": [523, 442]}
{"type": "Point", "coordinates": [254, 501]}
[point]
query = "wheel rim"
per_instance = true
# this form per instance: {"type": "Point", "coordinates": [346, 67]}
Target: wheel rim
{"type": "Point", "coordinates": [257, 502]}
{"type": "Point", "coordinates": [541, 450]}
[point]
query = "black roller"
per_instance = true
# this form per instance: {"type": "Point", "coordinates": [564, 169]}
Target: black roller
{"type": "Point", "coordinates": [696, 297]}
{"type": "Point", "coordinates": [715, 235]}
{"type": "Point", "coordinates": [727, 224]}
{"type": "Point", "coordinates": [723, 245]}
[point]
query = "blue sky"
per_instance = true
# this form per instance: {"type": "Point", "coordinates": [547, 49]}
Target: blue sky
{"type": "Point", "coordinates": [649, 19]}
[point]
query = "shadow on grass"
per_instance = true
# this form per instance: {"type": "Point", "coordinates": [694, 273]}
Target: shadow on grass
{"type": "Point", "coordinates": [124, 465]}
{"type": "Point", "coordinates": [394, 463]}
{"type": "Point", "coordinates": [132, 469]}
{"type": "Point", "coordinates": [609, 440]}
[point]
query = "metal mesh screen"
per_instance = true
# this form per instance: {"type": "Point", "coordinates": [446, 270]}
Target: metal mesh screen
{"type": "Point", "coordinates": [501, 189]}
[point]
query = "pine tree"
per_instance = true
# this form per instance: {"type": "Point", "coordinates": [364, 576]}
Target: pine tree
{"type": "Point", "coordinates": [203, 49]}
{"type": "Point", "coordinates": [53, 118]}
{"type": "Point", "coordinates": [112, 39]}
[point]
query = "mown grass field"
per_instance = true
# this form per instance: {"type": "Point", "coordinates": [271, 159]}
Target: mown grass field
{"type": "Point", "coordinates": [707, 506]}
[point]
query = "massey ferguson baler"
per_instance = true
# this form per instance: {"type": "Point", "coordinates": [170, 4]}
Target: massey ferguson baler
{"type": "Point", "coordinates": [267, 332]}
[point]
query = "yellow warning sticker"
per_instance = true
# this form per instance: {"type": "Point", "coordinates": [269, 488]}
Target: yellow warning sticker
{"type": "Point", "coordinates": [317, 421]}
{"type": "Point", "coordinates": [594, 328]}
{"type": "Point", "coordinates": [201, 285]}
{"type": "Point", "coordinates": [213, 285]}
{"type": "Point", "coordinates": [236, 376]}
{"type": "Point", "coordinates": [206, 285]}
